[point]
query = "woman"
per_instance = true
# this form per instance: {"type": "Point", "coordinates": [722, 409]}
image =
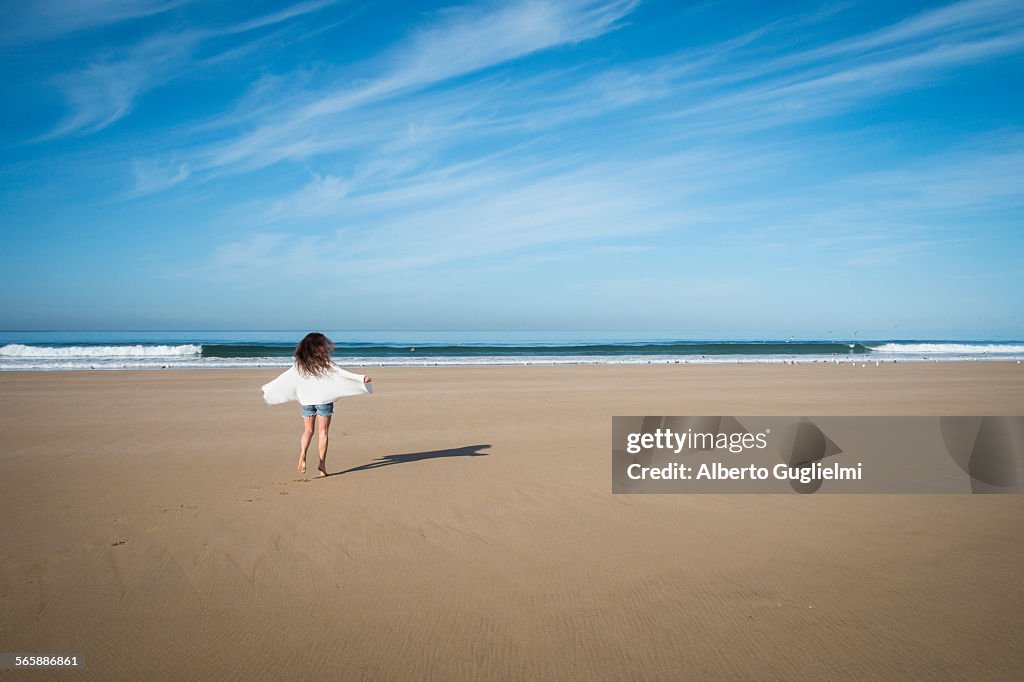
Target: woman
{"type": "Point", "coordinates": [315, 382]}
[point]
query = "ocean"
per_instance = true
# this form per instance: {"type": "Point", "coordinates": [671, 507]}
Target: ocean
{"type": "Point", "coordinates": [111, 350]}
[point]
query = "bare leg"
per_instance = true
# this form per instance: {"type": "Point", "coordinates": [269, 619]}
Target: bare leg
{"type": "Point", "coordinates": [323, 426]}
{"type": "Point", "coordinates": [304, 441]}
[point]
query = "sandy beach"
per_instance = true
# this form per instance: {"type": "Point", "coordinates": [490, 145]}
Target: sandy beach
{"type": "Point", "coordinates": [155, 523]}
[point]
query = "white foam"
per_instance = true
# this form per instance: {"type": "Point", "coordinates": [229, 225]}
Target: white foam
{"type": "Point", "coordinates": [14, 358]}
{"type": "Point", "coordinates": [947, 348]}
{"type": "Point", "coordinates": [19, 350]}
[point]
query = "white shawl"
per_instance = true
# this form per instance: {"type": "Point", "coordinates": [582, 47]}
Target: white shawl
{"type": "Point", "coordinates": [293, 385]}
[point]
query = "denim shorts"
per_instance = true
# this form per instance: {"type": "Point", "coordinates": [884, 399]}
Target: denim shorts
{"type": "Point", "coordinates": [325, 410]}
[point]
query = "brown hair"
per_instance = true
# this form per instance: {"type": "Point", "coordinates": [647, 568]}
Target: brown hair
{"type": "Point", "coordinates": [313, 354]}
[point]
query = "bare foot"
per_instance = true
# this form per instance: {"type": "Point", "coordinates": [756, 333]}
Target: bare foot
{"type": "Point", "coordinates": [302, 466]}
{"type": "Point", "coordinates": [322, 469]}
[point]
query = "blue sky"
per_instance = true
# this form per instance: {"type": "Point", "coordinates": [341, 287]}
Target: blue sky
{"type": "Point", "coordinates": [716, 168]}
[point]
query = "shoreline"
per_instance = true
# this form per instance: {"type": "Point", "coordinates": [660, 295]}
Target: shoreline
{"type": "Point", "coordinates": [865, 362]}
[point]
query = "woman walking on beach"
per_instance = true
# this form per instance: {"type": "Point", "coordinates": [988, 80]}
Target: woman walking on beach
{"type": "Point", "coordinates": [315, 382]}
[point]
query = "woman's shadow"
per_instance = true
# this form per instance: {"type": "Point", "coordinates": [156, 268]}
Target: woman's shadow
{"type": "Point", "coordinates": [388, 460]}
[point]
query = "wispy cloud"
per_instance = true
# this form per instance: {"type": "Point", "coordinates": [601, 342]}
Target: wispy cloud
{"type": "Point", "coordinates": [467, 212]}
{"type": "Point", "coordinates": [896, 253]}
{"type": "Point", "coordinates": [403, 209]}
{"type": "Point", "coordinates": [461, 216]}
{"type": "Point", "coordinates": [32, 20]}
{"type": "Point", "coordinates": [154, 178]}
{"type": "Point", "coordinates": [570, 145]}
{"type": "Point", "coordinates": [829, 79]}
{"type": "Point", "coordinates": [988, 175]}
{"type": "Point", "coordinates": [108, 88]}
{"type": "Point", "coordinates": [463, 41]}
{"type": "Point", "coordinates": [943, 200]}
{"type": "Point", "coordinates": [320, 197]}
{"type": "Point", "coordinates": [438, 87]}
